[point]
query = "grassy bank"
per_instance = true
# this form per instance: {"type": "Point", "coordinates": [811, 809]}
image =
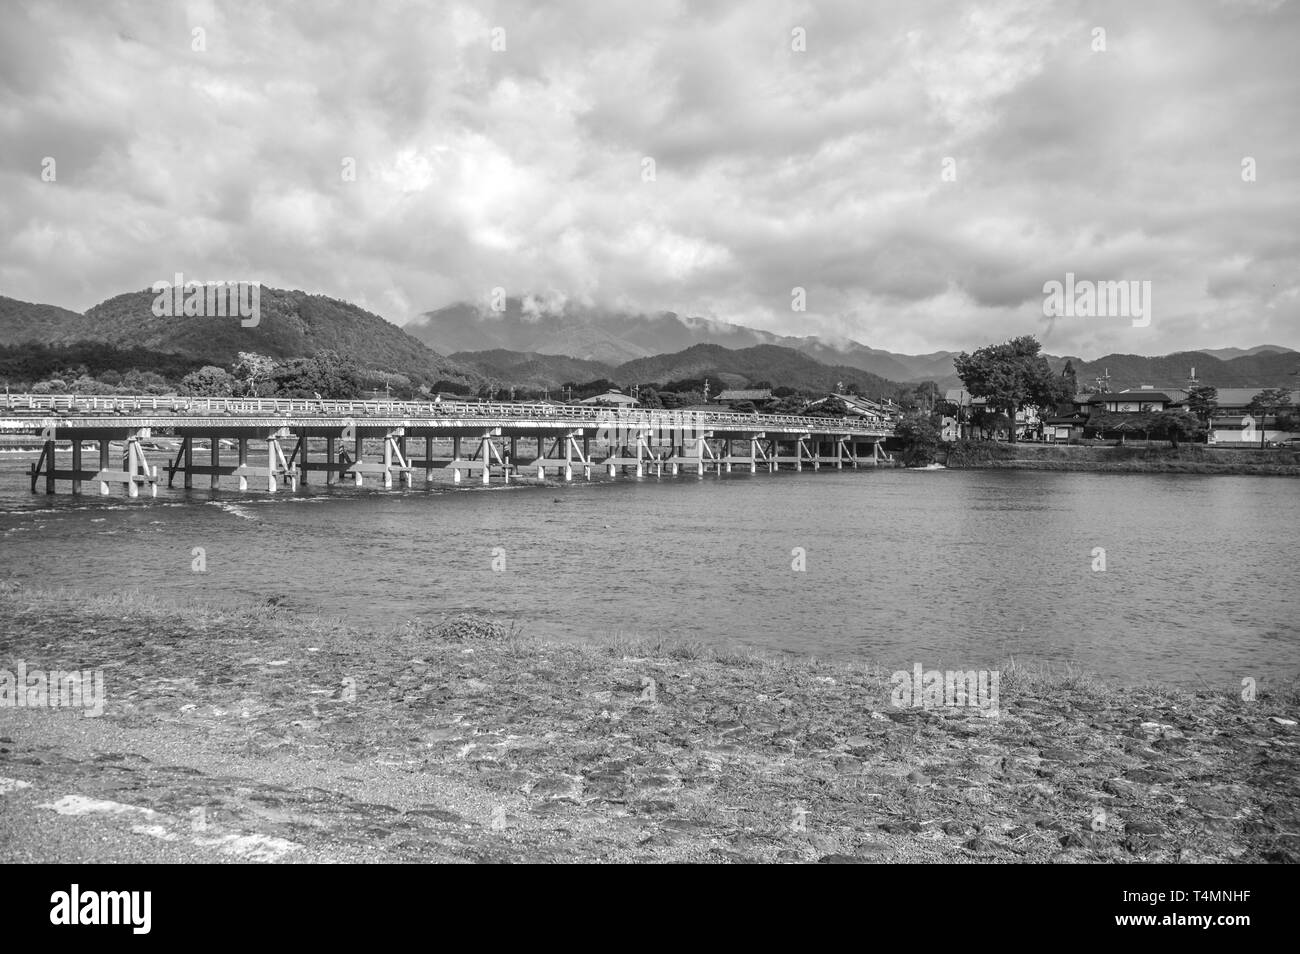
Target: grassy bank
{"type": "Point", "coordinates": [1131, 458]}
{"type": "Point", "coordinates": [298, 739]}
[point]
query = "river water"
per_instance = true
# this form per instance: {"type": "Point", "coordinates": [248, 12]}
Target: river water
{"type": "Point", "coordinates": [950, 569]}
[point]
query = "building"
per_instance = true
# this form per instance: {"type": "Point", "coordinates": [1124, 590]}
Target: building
{"type": "Point", "coordinates": [1064, 428]}
{"type": "Point", "coordinates": [1134, 400]}
{"type": "Point", "coordinates": [755, 396]}
{"type": "Point", "coordinates": [960, 427]}
{"type": "Point", "coordinates": [865, 409]}
{"type": "Point", "coordinates": [1247, 430]}
{"type": "Point", "coordinates": [612, 399]}
{"type": "Point", "coordinates": [1232, 422]}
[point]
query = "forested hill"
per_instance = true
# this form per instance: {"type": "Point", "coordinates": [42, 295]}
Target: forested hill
{"type": "Point", "coordinates": [292, 324]}
{"type": "Point", "coordinates": [736, 368]}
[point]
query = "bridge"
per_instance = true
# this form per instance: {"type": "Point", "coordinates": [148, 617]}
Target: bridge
{"type": "Point", "coordinates": [484, 439]}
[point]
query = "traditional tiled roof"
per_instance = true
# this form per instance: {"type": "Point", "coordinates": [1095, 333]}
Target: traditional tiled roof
{"type": "Point", "coordinates": [1127, 397]}
{"type": "Point", "coordinates": [611, 397]}
{"type": "Point", "coordinates": [752, 394]}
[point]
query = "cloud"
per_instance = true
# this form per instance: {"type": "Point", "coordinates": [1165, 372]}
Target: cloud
{"type": "Point", "coordinates": [774, 168]}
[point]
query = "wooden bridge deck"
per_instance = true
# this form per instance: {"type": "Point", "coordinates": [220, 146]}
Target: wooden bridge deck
{"type": "Point", "coordinates": [631, 440]}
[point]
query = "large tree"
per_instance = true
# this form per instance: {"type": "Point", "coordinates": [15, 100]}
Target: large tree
{"type": "Point", "coordinates": [1178, 426]}
{"type": "Point", "coordinates": [209, 381]}
{"type": "Point", "coordinates": [1070, 382]}
{"type": "Point", "coordinates": [1203, 401]}
{"type": "Point", "coordinates": [1012, 376]}
{"type": "Point", "coordinates": [253, 370]}
{"type": "Point", "coordinates": [920, 437]}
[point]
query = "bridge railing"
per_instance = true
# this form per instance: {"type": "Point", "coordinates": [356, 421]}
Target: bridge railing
{"type": "Point", "coordinates": [92, 404]}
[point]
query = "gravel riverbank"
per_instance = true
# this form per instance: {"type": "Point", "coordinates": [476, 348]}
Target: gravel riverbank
{"type": "Point", "coordinates": [269, 736]}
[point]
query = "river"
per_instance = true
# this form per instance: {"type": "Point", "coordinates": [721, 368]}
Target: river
{"type": "Point", "coordinates": [950, 569]}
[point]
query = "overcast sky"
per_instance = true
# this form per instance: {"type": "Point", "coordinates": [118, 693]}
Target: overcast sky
{"type": "Point", "coordinates": [524, 168]}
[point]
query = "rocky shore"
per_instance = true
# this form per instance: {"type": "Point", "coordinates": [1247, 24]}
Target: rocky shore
{"type": "Point", "coordinates": [263, 735]}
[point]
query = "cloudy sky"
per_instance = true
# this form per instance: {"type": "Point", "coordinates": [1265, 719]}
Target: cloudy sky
{"type": "Point", "coordinates": [214, 139]}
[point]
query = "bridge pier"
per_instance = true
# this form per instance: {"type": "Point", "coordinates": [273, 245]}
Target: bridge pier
{"type": "Point", "coordinates": [485, 449]}
{"type": "Point", "coordinates": [103, 466]}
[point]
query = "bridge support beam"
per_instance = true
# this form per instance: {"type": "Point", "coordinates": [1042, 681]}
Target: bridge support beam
{"type": "Point", "coordinates": [583, 454]}
{"type": "Point", "coordinates": [135, 468]}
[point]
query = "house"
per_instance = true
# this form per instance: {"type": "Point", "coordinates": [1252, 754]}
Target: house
{"type": "Point", "coordinates": [612, 399]}
{"type": "Point", "coordinates": [956, 427]}
{"type": "Point", "coordinates": [1064, 428]}
{"type": "Point", "coordinates": [1132, 400]}
{"type": "Point", "coordinates": [959, 427]}
{"type": "Point", "coordinates": [756, 396]}
{"type": "Point", "coordinates": [864, 409]}
{"type": "Point", "coordinates": [1232, 422]}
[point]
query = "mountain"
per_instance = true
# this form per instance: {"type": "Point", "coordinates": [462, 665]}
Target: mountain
{"type": "Point", "coordinates": [23, 321]}
{"type": "Point", "coordinates": [725, 367]}
{"type": "Point", "coordinates": [1229, 353]}
{"type": "Point", "coordinates": [1255, 367]}
{"type": "Point", "coordinates": [528, 369]}
{"type": "Point", "coordinates": [591, 334]}
{"type": "Point", "coordinates": [736, 368]}
{"type": "Point", "coordinates": [619, 338]}
{"type": "Point", "coordinates": [614, 337]}
{"type": "Point", "coordinates": [292, 324]}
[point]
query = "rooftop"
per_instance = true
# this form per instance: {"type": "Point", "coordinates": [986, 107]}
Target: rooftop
{"type": "Point", "coordinates": [752, 394]}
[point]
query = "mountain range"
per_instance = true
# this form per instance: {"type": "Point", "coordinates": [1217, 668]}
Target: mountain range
{"type": "Point", "coordinates": [613, 338]}
{"type": "Point", "coordinates": [535, 347]}
{"type": "Point", "coordinates": [542, 344]}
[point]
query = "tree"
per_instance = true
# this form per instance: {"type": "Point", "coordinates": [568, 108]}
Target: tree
{"type": "Point", "coordinates": [330, 375]}
{"type": "Point", "coordinates": [1178, 426]}
{"type": "Point", "coordinates": [144, 382]}
{"type": "Point", "coordinates": [1266, 402]}
{"type": "Point", "coordinates": [253, 370]}
{"type": "Point", "coordinates": [1011, 376]}
{"type": "Point", "coordinates": [831, 407]}
{"type": "Point", "coordinates": [209, 381]}
{"type": "Point", "coordinates": [920, 438]}
{"type": "Point", "coordinates": [1070, 383]}
{"type": "Point", "coordinates": [923, 396]}
{"type": "Point", "coordinates": [1203, 401]}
